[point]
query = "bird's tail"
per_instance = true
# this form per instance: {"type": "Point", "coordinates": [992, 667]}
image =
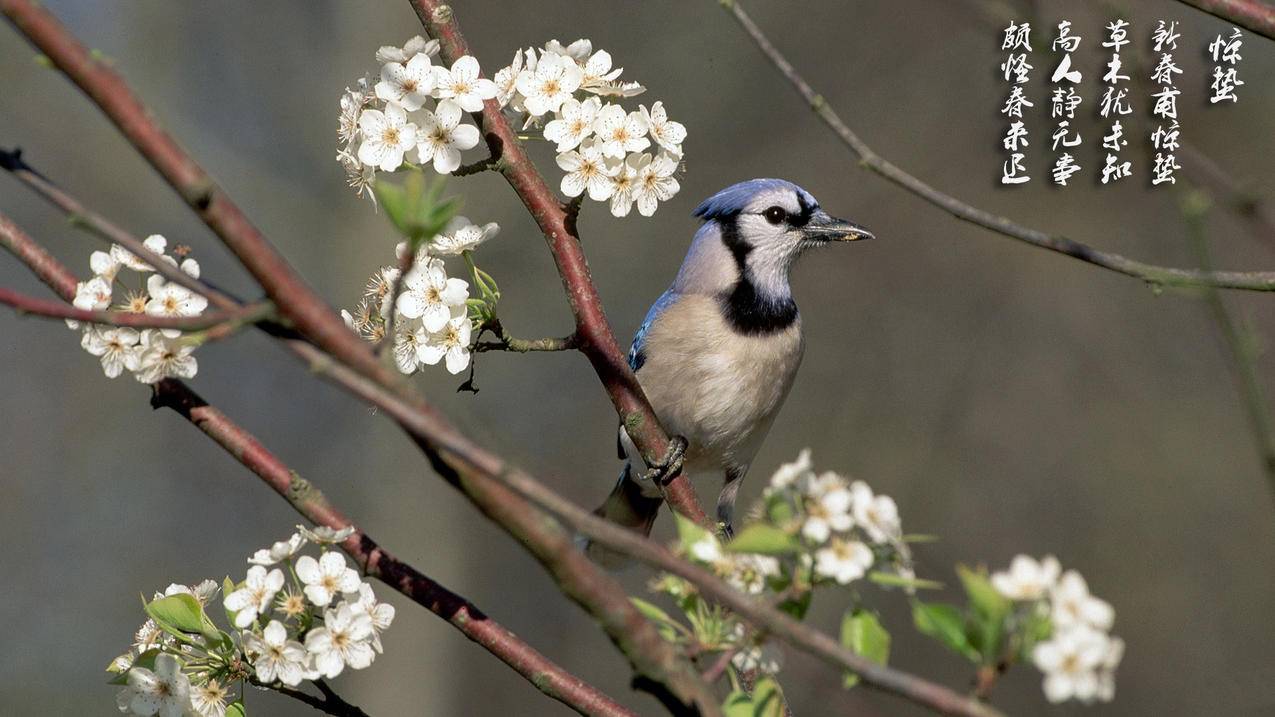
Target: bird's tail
{"type": "Point", "coordinates": [627, 506]}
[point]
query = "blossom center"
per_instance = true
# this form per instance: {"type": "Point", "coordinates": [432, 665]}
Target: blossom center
{"type": "Point", "coordinates": [390, 135]}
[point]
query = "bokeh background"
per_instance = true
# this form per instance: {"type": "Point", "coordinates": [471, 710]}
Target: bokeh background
{"type": "Point", "coordinates": [1011, 400]}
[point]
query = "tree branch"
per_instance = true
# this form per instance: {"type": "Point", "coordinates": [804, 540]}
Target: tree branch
{"type": "Point", "coordinates": [1254, 15]}
{"type": "Point", "coordinates": [224, 322]}
{"type": "Point", "coordinates": [505, 342]}
{"type": "Point", "coordinates": [593, 331]}
{"type": "Point", "coordinates": [1150, 273]}
{"type": "Point", "coordinates": [331, 703]}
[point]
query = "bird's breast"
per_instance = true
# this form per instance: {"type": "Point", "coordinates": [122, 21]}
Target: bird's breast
{"type": "Point", "coordinates": [714, 385]}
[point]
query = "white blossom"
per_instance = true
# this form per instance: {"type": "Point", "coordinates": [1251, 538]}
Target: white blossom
{"type": "Point", "coordinates": [254, 597]}
{"type": "Point", "coordinates": [624, 186]}
{"type": "Point", "coordinates": [796, 474]}
{"type": "Point", "coordinates": [828, 509]}
{"type": "Point", "coordinates": [172, 300]}
{"type": "Point", "coordinates": [162, 357]}
{"type": "Point", "coordinates": [164, 691]}
{"type": "Point", "coordinates": [747, 572]}
{"type": "Point", "coordinates": [578, 50]}
{"type": "Point", "coordinates": [429, 294]}
{"type": "Point", "coordinates": [1073, 605]}
{"type": "Point", "coordinates": [382, 613]}
{"type": "Point", "coordinates": [507, 81]}
{"type": "Point", "coordinates": [274, 656]}
{"type": "Point", "coordinates": [666, 133]}
{"type": "Point", "coordinates": [462, 85]}
{"type": "Point", "coordinates": [409, 337]}
{"type": "Point", "coordinates": [574, 123]}
{"type": "Point", "coordinates": [280, 550]}
{"type": "Point", "coordinates": [442, 137]}
{"type": "Point", "coordinates": [407, 84]}
{"type": "Point", "coordinates": [598, 74]}
{"type": "Point", "coordinates": [155, 242]}
{"type": "Point", "coordinates": [352, 104]}
{"type": "Point", "coordinates": [655, 182]}
{"type": "Point", "coordinates": [1107, 669]}
{"type": "Point", "coordinates": [190, 267]}
{"type": "Point", "coordinates": [588, 169]}
{"type": "Point", "coordinates": [450, 342]}
{"type": "Point", "coordinates": [202, 591]}
{"type": "Point", "coordinates": [104, 265]}
{"type": "Point", "coordinates": [766, 657]}
{"type": "Point", "coordinates": [1070, 661]}
{"type": "Point", "coordinates": [209, 699]}
{"type": "Point", "coordinates": [117, 347]}
{"type": "Point", "coordinates": [323, 535]}
{"type": "Point", "coordinates": [620, 132]}
{"type": "Point", "coordinates": [326, 577]}
{"type": "Point", "coordinates": [706, 550]}
{"type": "Point", "coordinates": [876, 514]}
{"type": "Point", "coordinates": [91, 295]}
{"type": "Point", "coordinates": [1027, 579]}
{"type": "Point", "coordinates": [386, 137]}
{"type": "Point", "coordinates": [843, 560]}
{"type": "Point", "coordinates": [344, 639]}
{"type": "Point", "coordinates": [549, 84]}
{"type": "Point", "coordinates": [460, 236]}
{"type": "Point", "coordinates": [413, 47]}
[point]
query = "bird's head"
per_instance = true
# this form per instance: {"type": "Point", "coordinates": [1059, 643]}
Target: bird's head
{"type": "Point", "coordinates": [766, 224]}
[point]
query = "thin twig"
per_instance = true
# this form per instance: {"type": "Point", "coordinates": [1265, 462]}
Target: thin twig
{"type": "Point", "coordinates": [1150, 273]}
{"type": "Point", "coordinates": [505, 342]}
{"type": "Point", "coordinates": [1254, 15]}
{"type": "Point", "coordinates": [330, 703]}
{"type": "Point", "coordinates": [225, 321]}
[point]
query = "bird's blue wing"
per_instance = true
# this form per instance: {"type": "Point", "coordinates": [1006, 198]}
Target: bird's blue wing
{"type": "Point", "coordinates": [637, 351]}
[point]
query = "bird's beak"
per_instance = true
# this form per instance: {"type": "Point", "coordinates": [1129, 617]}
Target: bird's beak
{"type": "Point", "coordinates": [823, 227]}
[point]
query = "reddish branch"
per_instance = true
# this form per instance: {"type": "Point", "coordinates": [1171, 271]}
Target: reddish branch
{"type": "Point", "coordinates": [246, 314]}
{"type": "Point", "coordinates": [547, 676]}
{"type": "Point", "coordinates": [593, 331]}
{"type": "Point", "coordinates": [1251, 14]}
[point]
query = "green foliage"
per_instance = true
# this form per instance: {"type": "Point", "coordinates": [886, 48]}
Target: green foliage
{"type": "Point", "coordinates": [146, 660]}
{"type": "Point", "coordinates": [181, 615]}
{"type": "Point", "coordinates": [416, 208]}
{"type": "Point", "coordinates": [987, 615]}
{"type": "Point", "coordinates": [667, 626]}
{"type": "Point", "coordinates": [236, 709]}
{"type": "Point", "coordinates": [863, 633]}
{"type": "Point", "coordinates": [946, 624]}
{"type": "Point", "coordinates": [764, 539]}
{"type": "Point", "coordinates": [767, 700]}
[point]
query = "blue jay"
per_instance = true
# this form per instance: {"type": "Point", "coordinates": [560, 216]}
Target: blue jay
{"type": "Point", "coordinates": [718, 351]}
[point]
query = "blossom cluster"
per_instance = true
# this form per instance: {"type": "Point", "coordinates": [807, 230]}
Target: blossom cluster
{"type": "Point", "coordinates": [296, 617]}
{"type": "Point", "coordinates": [150, 354]}
{"type": "Point", "coordinates": [413, 113]}
{"type": "Point", "coordinates": [812, 530]}
{"type": "Point", "coordinates": [431, 322]}
{"type": "Point", "coordinates": [1081, 656]}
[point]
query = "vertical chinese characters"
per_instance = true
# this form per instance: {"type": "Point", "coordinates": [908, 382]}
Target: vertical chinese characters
{"type": "Point", "coordinates": [1165, 110]}
{"type": "Point", "coordinates": [1063, 105]}
{"type": "Point", "coordinates": [1114, 104]}
{"type": "Point", "coordinates": [1016, 70]}
{"type": "Point", "coordinates": [1225, 51]}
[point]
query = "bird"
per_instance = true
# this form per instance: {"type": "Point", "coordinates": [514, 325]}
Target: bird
{"type": "Point", "coordinates": [717, 353]}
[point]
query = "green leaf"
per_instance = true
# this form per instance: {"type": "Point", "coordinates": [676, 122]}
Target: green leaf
{"type": "Point", "coordinates": [920, 538]}
{"type": "Point", "coordinates": [765, 540]}
{"type": "Point", "coordinates": [688, 531]}
{"type": "Point", "coordinates": [737, 704]}
{"type": "Point", "coordinates": [990, 609]}
{"type": "Point", "coordinates": [146, 659]}
{"type": "Point", "coordinates": [863, 633]}
{"type": "Point", "coordinates": [944, 623]}
{"type": "Point", "coordinates": [898, 581]}
{"type": "Point", "coordinates": [416, 209]}
{"type": "Point", "coordinates": [778, 510]}
{"type": "Point", "coordinates": [236, 709]}
{"type": "Point", "coordinates": [182, 613]}
{"type": "Point", "coordinates": [666, 625]}
{"type": "Point", "coordinates": [798, 605]}
{"type": "Point", "coordinates": [768, 699]}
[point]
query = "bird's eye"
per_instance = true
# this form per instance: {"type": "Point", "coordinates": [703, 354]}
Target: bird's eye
{"type": "Point", "coordinates": [775, 215]}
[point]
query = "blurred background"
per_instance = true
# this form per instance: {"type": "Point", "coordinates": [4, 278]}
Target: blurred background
{"type": "Point", "coordinates": [1011, 400]}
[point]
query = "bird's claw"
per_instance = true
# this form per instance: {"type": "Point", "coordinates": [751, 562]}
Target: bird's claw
{"type": "Point", "coordinates": [670, 465]}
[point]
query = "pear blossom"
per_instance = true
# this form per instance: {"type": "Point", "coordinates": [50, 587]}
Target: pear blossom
{"type": "Point", "coordinates": [170, 299]}
{"type": "Point", "coordinates": [209, 699]}
{"type": "Point", "coordinates": [588, 169]}
{"type": "Point", "coordinates": [254, 597]}
{"type": "Point", "coordinates": [1027, 579]}
{"type": "Point", "coordinates": [799, 472]}
{"type": "Point", "coordinates": [451, 342]}
{"type": "Point", "coordinates": [415, 46]}
{"type": "Point", "coordinates": [706, 550]}
{"type": "Point", "coordinates": [326, 577]}
{"type": "Point", "coordinates": [579, 50]}
{"type": "Point", "coordinates": [382, 614]}
{"type": "Point", "coordinates": [507, 81]}
{"type": "Point", "coordinates": [624, 186]}
{"type": "Point", "coordinates": [386, 137]}
{"type": "Point", "coordinates": [274, 656]}
{"type": "Point", "coordinates": [1073, 605]}
{"type": "Point", "coordinates": [460, 236]}
{"type": "Point", "coordinates": [1070, 661]}
{"type": "Point", "coordinates": [104, 265]}
{"type": "Point", "coordinates": [155, 242]}
{"type": "Point", "coordinates": [620, 132]}
{"type": "Point", "coordinates": [117, 347]}
{"type": "Point", "coordinates": [164, 691]}
{"type": "Point", "coordinates": [828, 510]}
{"type": "Point", "coordinates": [202, 591]}
{"type": "Point", "coordinates": [429, 294]}
{"type": "Point", "coordinates": [766, 657]}
{"type": "Point", "coordinates": [92, 295]}
{"type": "Point", "coordinates": [549, 84]}
{"type": "Point", "coordinates": [1107, 669]}
{"type": "Point", "coordinates": [162, 357]}
{"type": "Point", "coordinates": [358, 176]}
{"type": "Point", "coordinates": [279, 551]}
{"type": "Point", "coordinates": [666, 133]}
{"type": "Point", "coordinates": [597, 71]}
{"type": "Point", "coordinates": [409, 337]}
{"type": "Point", "coordinates": [344, 639]}
{"type": "Point", "coordinates": [876, 514]}
{"type": "Point", "coordinates": [843, 560]}
{"type": "Point", "coordinates": [574, 123]}
{"type": "Point", "coordinates": [462, 84]}
{"type": "Point", "coordinates": [747, 572]}
{"type": "Point", "coordinates": [655, 182]}
{"type": "Point", "coordinates": [407, 84]}
{"type": "Point", "coordinates": [442, 137]}
{"type": "Point", "coordinates": [323, 535]}
{"type": "Point", "coordinates": [352, 104]}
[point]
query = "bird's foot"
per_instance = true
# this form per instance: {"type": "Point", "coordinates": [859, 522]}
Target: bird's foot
{"type": "Point", "coordinates": [670, 465]}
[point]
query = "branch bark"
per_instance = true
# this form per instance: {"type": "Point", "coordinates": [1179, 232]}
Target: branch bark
{"type": "Point", "coordinates": [330, 703]}
{"type": "Point", "coordinates": [593, 331]}
{"type": "Point", "coordinates": [1253, 15]}
{"type": "Point", "coordinates": [869, 159]}
{"type": "Point", "coordinates": [230, 320]}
